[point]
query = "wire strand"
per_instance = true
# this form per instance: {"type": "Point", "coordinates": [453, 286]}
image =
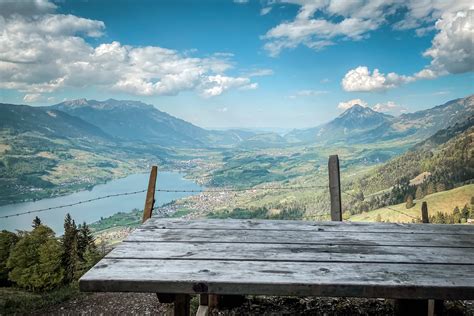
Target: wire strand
{"type": "Point", "coordinates": [388, 207]}
{"type": "Point", "coordinates": [165, 191]}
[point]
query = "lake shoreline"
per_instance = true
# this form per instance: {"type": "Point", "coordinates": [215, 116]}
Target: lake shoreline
{"type": "Point", "coordinates": [94, 210]}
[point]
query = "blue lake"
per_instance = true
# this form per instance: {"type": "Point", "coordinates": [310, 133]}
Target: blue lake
{"type": "Point", "coordinates": [93, 211]}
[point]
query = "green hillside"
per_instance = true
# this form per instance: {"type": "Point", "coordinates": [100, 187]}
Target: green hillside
{"type": "Point", "coordinates": [444, 202]}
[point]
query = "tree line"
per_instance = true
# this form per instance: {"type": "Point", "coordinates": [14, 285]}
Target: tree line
{"type": "Point", "coordinates": [37, 260]}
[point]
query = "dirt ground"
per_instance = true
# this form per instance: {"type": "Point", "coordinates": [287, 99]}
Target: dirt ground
{"type": "Point", "coordinates": [147, 304]}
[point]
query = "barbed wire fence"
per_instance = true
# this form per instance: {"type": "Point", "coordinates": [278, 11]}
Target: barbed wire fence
{"type": "Point", "coordinates": [387, 207]}
{"type": "Point", "coordinates": [165, 191]}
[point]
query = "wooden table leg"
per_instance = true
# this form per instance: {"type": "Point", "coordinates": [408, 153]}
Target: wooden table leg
{"type": "Point", "coordinates": [181, 305]}
{"type": "Point", "coordinates": [203, 309]}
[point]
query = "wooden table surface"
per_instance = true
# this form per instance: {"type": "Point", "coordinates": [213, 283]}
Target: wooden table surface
{"type": "Point", "coordinates": [272, 257]}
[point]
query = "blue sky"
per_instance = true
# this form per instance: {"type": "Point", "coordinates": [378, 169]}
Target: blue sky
{"type": "Point", "coordinates": [250, 64]}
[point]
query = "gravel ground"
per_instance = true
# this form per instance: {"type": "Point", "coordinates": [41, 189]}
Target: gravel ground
{"type": "Point", "coordinates": [147, 304]}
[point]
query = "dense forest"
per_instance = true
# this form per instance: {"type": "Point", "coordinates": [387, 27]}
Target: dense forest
{"type": "Point", "coordinates": [39, 261]}
{"type": "Point", "coordinates": [442, 162]}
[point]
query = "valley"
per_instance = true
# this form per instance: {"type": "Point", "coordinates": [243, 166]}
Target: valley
{"type": "Point", "coordinates": [42, 157]}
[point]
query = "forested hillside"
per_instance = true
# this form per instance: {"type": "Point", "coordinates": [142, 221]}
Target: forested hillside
{"type": "Point", "coordinates": [441, 162]}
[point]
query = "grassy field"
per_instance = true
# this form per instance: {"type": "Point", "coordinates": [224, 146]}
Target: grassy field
{"type": "Point", "coordinates": [17, 301]}
{"type": "Point", "coordinates": [438, 202]}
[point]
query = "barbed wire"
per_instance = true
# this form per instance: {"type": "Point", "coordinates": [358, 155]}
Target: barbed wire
{"type": "Point", "coordinates": [243, 189]}
{"type": "Point", "coordinates": [388, 207]}
{"type": "Point", "coordinates": [74, 204]}
{"type": "Point", "coordinates": [165, 191]}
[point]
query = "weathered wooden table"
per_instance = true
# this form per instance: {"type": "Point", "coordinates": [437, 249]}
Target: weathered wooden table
{"type": "Point", "coordinates": [302, 258]}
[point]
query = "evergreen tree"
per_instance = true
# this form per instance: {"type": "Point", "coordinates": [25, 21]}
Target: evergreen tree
{"type": "Point", "coordinates": [465, 212]}
{"type": "Point", "coordinates": [35, 260]}
{"type": "Point", "coordinates": [85, 240]}
{"type": "Point", "coordinates": [50, 273]}
{"type": "Point", "coordinates": [378, 218]}
{"type": "Point", "coordinates": [69, 245]}
{"type": "Point", "coordinates": [430, 189]}
{"type": "Point", "coordinates": [7, 242]}
{"type": "Point", "coordinates": [419, 193]}
{"type": "Point", "coordinates": [410, 203]}
{"type": "Point", "coordinates": [440, 187]}
{"type": "Point", "coordinates": [36, 222]}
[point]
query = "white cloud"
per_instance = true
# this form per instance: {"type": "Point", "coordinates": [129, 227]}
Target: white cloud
{"type": "Point", "coordinates": [222, 110]}
{"type": "Point", "coordinates": [452, 51]}
{"type": "Point", "coordinates": [452, 48]}
{"type": "Point", "coordinates": [348, 104]}
{"type": "Point", "coordinates": [259, 72]}
{"type": "Point", "coordinates": [361, 79]}
{"type": "Point", "coordinates": [25, 7]}
{"type": "Point", "coordinates": [42, 53]}
{"type": "Point", "coordinates": [320, 23]}
{"type": "Point", "coordinates": [31, 98]}
{"type": "Point", "coordinates": [265, 11]}
{"type": "Point", "coordinates": [216, 85]}
{"type": "Point", "coordinates": [388, 106]}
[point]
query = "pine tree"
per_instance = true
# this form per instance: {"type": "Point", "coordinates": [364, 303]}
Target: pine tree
{"type": "Point", "coordinates": [36, 222]}
{"type": "Point", "coordinates": [50, 273]}
{"type": "Point", "coordinates": [7, 242]}
{"type": "Point", "coordinates": [409, 203]}
{"type": "Point", "coordinates": [465, 212]}
{"type": "Point", "coordinates": [85, 240]}
{"type": "Point", "coordinates": [419, 193]}
{"type": "Point", "coordinates": [35, 260]}
{"type": "Point", "coordinates": [430, 189]}
{"type": "Point", "coordinates": [69, 245]}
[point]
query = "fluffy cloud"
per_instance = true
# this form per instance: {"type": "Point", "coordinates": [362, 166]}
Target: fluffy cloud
{"type": "Point", "coordinates": [320, 23]}
{"type": "Point", "coordinates": [25, 7]}
{"type": "Point", "coordinates": [347, 105]}
{"type": "Point", "coordinates": [215, 85]}
{"type": "Point", "coordinates": [44, 52]}
{"type": "Point", "coordinates": [452, 48]}
{"type": "Point", "coordinates": [452, 51]}
{"type": "Point", "coordinates": [389, 106]}
{"type": "Point", "coordinates": [31, 98]}
{"type": "Point", "coordinates": [361, 79]}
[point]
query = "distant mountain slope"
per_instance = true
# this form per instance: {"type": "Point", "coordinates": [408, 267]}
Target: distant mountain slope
{"type": "Point", "coordinates": [363, 125]}
{"type": "Point", "coordinates": [448, 156]}
{"type": "Point", "coordinates": [137, 121]}
{"type": "Point", "coordinates": [354, 122]}
{"type": "Point", "coordinates": [49, 122]}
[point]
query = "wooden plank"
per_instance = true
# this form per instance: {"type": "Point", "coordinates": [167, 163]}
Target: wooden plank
{"type": "Point", "coordinates": [412, 281]}
{"type": "Point", "coordinates": [335, 188]}
{"type": "Point", "coordinates": [297, 253]}
{"type": "Point", "coordinates": [281, 225]}
{"type": "Point", "coordinates": [150, 195]}
{"type": "Point", "coordinates": [296, 237]}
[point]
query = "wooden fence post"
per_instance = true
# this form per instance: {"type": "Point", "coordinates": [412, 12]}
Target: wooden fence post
{"type": "Point", "coordinates": [424, 213]}
{"type": "Point", "coordinates": [335, 188]}
{"type": "Point", "coordinates": [150, 195]}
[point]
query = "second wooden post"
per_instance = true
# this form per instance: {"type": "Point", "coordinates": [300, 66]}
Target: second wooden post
{"type": "Point", "coordinates": [335, 188]}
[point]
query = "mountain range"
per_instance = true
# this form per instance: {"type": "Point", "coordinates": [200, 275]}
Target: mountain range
{"type": "Point", "coordinates": [136, 122]}
{"type": "Point", "coordinates": [139, 122]}
{"type": "Point", "coordinates": [361, 124]}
